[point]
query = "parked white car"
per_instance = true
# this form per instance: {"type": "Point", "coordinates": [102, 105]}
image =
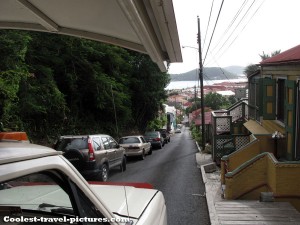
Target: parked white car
{"type": "Point", "coordinates": [135, 146]}
{"type": "Point", "coordinates": [38, 184]}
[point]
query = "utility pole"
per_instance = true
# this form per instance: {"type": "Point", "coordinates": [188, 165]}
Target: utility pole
{"type": "Point", "coordinates": [201, 83]}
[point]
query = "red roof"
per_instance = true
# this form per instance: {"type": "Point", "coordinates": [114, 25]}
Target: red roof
{"type": "Point", "coordinates": [288, 56]}
{"type": "Point", "coordinates": [188, 104]}
{"type": "Point", "coordinates": [207, 119]}
{"type": "Point", "coordinates": [197, 112]}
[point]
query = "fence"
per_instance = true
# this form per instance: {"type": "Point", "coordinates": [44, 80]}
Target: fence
{"type": "Point", "coordinates": [224, 138]}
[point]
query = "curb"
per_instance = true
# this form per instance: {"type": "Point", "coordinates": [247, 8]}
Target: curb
{"type": "Point", "coordinates": [209, 197]}
{"type": "Point", "coordinates": [209, 200]}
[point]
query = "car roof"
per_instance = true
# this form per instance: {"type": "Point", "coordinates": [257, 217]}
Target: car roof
{"type": "Point", "coordinates": [16, 151]}
{"type": "Point", "coordinates": [132, 136]}
{"type": "Point", "coordinates": [154, 131]}
{"type": "Point", "coordinates": [82, 136]}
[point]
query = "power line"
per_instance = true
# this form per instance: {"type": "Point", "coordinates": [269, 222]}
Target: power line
{"type": "Point", "coordinates": [208, 22]}
{"type": "Point", "coordinates": [242, 29]}
{"type": "Point", "coordinates": [231, 23]}
{"type": "Point", "coordinates": [235, 28]}
{"type": "Point", "coordinates": [213, 31]}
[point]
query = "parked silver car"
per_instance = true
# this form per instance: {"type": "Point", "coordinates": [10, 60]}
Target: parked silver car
{"type": "Point", "coordinates": [136, 146]}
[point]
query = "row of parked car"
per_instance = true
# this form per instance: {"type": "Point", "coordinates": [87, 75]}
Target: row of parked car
{"type": "Point", "coordinates": [95, 155]}
{"type": "Point", "coordinates": [38, 183]}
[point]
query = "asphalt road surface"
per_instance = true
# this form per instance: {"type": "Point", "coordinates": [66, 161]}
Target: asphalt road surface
{"type": "Point", "coordinates": [172, 170]}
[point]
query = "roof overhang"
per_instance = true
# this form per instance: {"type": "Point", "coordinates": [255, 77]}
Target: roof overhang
{"type": "Point", "coordinates": [146, 26]}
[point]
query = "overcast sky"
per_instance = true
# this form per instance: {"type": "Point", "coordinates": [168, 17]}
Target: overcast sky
{"type": "Point", "coordinates": [268, 25]}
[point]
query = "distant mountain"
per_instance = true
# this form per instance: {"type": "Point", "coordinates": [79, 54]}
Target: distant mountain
{"type": "Point", "coordinates": [209, 73]}
{"type": "Point", "coordinates": [239, 70]}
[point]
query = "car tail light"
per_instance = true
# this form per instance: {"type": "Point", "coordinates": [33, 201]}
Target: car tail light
{"type": "Point", "coordinates": [157, 139]}
{"type": "Point", "coordinates": [91, 154]}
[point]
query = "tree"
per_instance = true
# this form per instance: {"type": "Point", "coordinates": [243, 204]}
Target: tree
{"type": "Point", "coordinates": [147, 85]}
{"type": "Point", "coordinates": [52, 85]}
{"type": "Point", "coordinates": [196, 105]}
{"type": "Point", "coordinates": [12, 70]}
{"type": "Point", "coordinates": [215, 101]}
{"type": "Point", "coordinates": [264, 56]}
{"type": "Point", "coordinates": [252, 68]}
{"type": "Point", "coordinates": [232, 99]}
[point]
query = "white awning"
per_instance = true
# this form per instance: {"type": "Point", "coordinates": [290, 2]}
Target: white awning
{"type": "Point", "coordinates": [146, 26]}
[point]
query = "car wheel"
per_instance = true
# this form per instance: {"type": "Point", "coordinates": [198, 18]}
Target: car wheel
{"type": "Point", "coordinates": [123, 164]}
{"type": "Point", "coordinates": [160, 145]}
{"type": "Point", "coordinates": [104, 173]}
{"type": "Point", "coordinates": [143, 155]}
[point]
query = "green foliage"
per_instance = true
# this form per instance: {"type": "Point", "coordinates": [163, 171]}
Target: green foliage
{"type": "Point", "coordinates": [215, 101]}
{"type": "Point", "coordinates": [12, 70]}
{"type": "Point", "coordinates": [264, 56]}
{"type": "Point", "coordinates": [155, 124]}
{"type": "Point", "coordinates": [196, 105]}
{"type": "Point", "coordinates": [52, 85]}
{"type": "Point", "coordinates": [232, 100]}
{"type": "Point", "coordinates": [13, 50]}
{"type": "Point", "coordinates": [196, 133]}
{"type": "Point", "coordinates": [250, 69]}
{"type": "Point", "coordinates": [147, 90]}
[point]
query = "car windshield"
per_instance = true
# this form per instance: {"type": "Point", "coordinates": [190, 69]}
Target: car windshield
{"type": "Point", "coordinates": [129, 140]}
{"type": "Point", "coordinates": [38, 192]}
{"type": "Point", "coordinates": [66, 144]}
{"type": "Point", "coordinates": [151, 134]}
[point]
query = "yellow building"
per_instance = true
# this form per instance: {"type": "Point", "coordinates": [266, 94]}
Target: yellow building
{"type": "Point", "coordinates": [257, 140]}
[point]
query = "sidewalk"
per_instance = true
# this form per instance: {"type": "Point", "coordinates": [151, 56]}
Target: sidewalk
{"type": "Point", "coordinates": [212, 184]}
{"type": "Point", "coordinates": [222, 211]}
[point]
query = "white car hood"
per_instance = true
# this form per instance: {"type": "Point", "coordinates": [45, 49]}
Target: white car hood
{"type": "Point", "coordinates": [115, 199]}
{"type": "Point", "coordinates": [145, 206]}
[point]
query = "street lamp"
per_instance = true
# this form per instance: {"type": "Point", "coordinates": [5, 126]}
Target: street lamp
{"type": "Point", "coordinates": [187, 46]}
{"type": "Point", "coordinates": [201, 83]}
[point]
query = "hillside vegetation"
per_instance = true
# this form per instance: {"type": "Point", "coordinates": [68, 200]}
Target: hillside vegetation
{"type": "Point", "coordinates": [53, 85]}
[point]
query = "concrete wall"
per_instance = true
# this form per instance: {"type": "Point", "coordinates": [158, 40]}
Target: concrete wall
{"type": "Point", "coordinates": [265, 174]}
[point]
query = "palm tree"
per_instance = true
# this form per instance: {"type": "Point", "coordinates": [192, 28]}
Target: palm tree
{"type": "Point", "coordinates": [252, 68]}
{"type": "Point", "coordinates": [266, 56]}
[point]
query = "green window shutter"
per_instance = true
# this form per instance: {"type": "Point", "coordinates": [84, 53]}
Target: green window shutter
{"type": "Point", "coordinates": [260, 98]}
{"type": "Point", "coordinates": [268, 104]}
{"type": "Point", "coordinates": [290, 117]}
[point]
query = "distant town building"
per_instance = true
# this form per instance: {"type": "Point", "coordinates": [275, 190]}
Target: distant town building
{"type": "Point", "coordinates": [171, 117]}
{"type": "Point", "coordinates": [226, 93]}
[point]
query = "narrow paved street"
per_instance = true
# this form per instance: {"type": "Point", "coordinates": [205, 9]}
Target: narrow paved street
{"type": "Point", "coordinates": [173, 171]}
